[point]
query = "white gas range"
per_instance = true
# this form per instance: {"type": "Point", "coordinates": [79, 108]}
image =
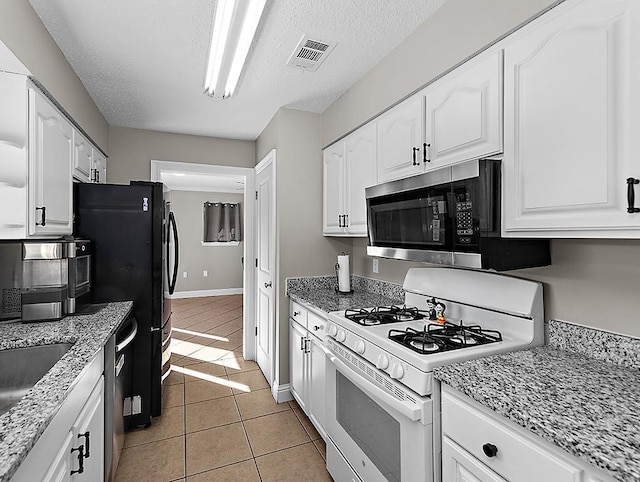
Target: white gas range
{"type": "Point", "coordinates": [380, 410]}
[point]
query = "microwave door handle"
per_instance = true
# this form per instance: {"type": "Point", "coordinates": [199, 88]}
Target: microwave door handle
{"type": "Point", "coordinates": [413, 414]}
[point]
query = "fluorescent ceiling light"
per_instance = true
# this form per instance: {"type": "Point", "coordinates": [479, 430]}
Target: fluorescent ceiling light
{"type": "Point", "coordinates": [234, 27]}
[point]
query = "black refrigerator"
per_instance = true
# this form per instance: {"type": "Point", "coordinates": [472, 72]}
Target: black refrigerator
{"type": "Point", "coordinates": [135, 257]}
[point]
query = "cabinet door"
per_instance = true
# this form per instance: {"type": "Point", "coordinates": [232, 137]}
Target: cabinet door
{"type": "Point", "coordinates": [460, 466]}
{"type": "Point", "coordinates": [464, 112]}
{"type": "Point", "coordinates": [82, 157]}
{"type": "Point", "coordinates": [89, 432]}
{"type": "Point", "coordinates": [317, 385]}
{"type": "Point", "coordinates": [572, 112]}
{"type": "Point", "coordinates": [333, 189]}
{"type": "Point", "coordinates": [360, 170]}
{"type": "Point", "coordinates": [50, 161]}
{"type": "Point", "coordinates": [399, 133]}
{"type": "Point", "coordinates": [297, 364]}
{"type": "Point", "coordinates": [61, 467]}
{"type": "Point", "coordinates": [100, 167]}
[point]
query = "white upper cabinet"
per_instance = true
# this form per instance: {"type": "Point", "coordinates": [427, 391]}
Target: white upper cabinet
{"type": "Point", "coordinates": [40, 152]}
{"type": "Point", "coordinates": [82, 157]}
{"type": "Point", "coordinates": [99, 173]}
{"type": "Point", "coordinates": [349, 167]}
{"type": "Point", "coordinates": [50, 168]}
{"type": "Point", "coordinates": [360, 171]}
{"type": "Point", "coordinates": [572, 117]}
{"type": "Point", "coordinates": [400, 143]}
{"type": "Point", "coordinates": [333, 188]}
{"type": "Point", "coordinates": [463, 115]}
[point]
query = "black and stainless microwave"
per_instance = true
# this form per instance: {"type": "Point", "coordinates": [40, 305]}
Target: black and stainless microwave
{"type": "Point", "coordinates": [448, 216]}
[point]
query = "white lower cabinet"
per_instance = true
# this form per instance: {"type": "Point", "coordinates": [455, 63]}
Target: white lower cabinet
{"type": "Point", "coordinates": [72, 446]}
{"type": "Point", "coordinates": [307, 364]}
{"type": "Point", "coordinates": [479, 445]}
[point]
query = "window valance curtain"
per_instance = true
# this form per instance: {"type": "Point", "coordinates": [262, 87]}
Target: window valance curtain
{"type": "Point", "coordinates": [221, 222]}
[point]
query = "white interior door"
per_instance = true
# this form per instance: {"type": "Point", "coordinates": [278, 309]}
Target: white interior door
{"type": "Point", "coordinates": [265, 266]}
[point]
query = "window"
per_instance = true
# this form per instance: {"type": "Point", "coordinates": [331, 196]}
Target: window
{"type": "Point", "coordinates": [221, 223]}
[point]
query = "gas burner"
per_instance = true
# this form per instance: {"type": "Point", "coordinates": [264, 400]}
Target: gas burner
{"type": "Point", "coordinates": [385, 314]}
{"type": "Point", "coordinates": [449, 336]}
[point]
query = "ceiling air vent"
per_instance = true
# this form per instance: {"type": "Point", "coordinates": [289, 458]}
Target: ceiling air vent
{"type": "Point", "coordinates": [309, 53]}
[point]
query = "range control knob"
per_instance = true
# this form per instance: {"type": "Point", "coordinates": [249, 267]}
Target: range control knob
{"type": "Point", "coordinates": [360, 346]}
{"type": "Point", "coordinates": [341, 335]}
{"type": "Point", "coordinates": [397, 371]}
{"type": "Point", "coordinates": [382, 363]}
{"type": "Point", "coordinates": [333, 330]}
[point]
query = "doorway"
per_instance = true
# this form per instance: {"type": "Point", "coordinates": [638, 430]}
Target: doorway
{"type": "Point", "coordinates": [182, 176]}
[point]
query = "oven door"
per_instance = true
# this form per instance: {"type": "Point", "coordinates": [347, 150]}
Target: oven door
{"type": "Point", "coordinates": [381, 436]}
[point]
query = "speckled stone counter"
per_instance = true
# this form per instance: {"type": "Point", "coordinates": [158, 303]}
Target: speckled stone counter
{"type": "Point", "coordinates": [587, 405]}
{"type": "Point", "coordinates": [320, 291]}
{"type": "Point", "coordinates": [22, 425]}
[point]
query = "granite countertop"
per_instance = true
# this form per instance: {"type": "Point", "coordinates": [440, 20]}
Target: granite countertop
{"type": "Point", "coordinates": [589, 407]}
{"type": "Point", "coordinates": [22, 425]}
{"type": "Point", "coordinates": [320, 292]}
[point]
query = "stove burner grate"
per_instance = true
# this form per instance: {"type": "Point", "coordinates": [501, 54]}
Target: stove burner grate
{"type": "Point", "coordinates": [385, 314]}
{"type": "Point", "coordinates": [449, 336]}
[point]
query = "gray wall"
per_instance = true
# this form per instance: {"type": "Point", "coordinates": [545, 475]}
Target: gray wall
{"type": "Point", "coordinates": [456, 31]}
{"type": "Point", "coordinates": [224, 263]}
{"type": "Point", "coordinates": [590, 282]}
{"type": "Point", "coordinates": [302, 250]}
{"type": "Point", "coordinates": [23, 32]}
{"type": "Point", "coordinates": [132, 150]}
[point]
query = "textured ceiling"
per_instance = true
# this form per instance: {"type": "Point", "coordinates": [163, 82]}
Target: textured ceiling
{"type": "Point", "coordinates": [144, 61]}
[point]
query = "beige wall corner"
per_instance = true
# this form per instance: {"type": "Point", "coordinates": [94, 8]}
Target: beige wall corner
{"type": "Point", "coordinates": [24, 33]}
{"type": "Point", "coordinates": [222, 263]}
{"type": "Point", "coordinates": [455, 31]}
{"type": "Point", "coordinates": [132, 150]}
{"type": "Point", "coordinates": [303, 250]}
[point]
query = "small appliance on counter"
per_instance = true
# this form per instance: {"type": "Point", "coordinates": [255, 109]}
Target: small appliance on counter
{"type": "Point", "coordinates": [44, 280]}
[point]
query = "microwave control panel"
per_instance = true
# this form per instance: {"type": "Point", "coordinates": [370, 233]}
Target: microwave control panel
{"type": "Point", "coordinates": [464, 219]}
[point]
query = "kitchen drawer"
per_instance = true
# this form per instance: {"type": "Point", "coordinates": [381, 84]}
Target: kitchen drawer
{"type": "Point", "coordinates": [517, 458]}
{"type": "Point", "coordinates": [298, 314]}
{"type": "Point", "coordinates": [316, 325]}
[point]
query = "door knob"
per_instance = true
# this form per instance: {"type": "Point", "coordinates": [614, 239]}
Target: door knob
{"type": "Point", "coordinates": [267, 284]}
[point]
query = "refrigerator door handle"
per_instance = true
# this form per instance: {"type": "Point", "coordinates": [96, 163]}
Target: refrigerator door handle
{"type": "Point", "coordinates": [172, 225]}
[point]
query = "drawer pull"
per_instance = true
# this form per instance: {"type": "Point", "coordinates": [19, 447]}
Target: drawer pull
{"type": "Point", "coordinates": [296, 313]}
{"type": "Point", "coordinates": [316, 327]}
{"type": "Point", "coordinates": [490, 450]}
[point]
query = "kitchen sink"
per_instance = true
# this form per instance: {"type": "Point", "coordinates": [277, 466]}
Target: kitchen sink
{"type": "Point", "coordinates": [21, 368]}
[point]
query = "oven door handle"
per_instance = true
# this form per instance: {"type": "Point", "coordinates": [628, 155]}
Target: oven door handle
{"type": "Point", "coordinates": [412, 413]}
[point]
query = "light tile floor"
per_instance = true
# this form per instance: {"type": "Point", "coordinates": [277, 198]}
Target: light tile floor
{"type": "Point", "coordinates": [219, 421]}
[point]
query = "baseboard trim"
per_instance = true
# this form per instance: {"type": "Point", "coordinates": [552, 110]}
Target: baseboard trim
{"type": "Point", "coordinates": [201, 293]}
{"type": "Point", "coordinates": [281, 393]}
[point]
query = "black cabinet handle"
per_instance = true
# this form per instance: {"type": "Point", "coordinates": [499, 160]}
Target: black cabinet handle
{"type": "Point", "coordinates": [415, 149]}
{"type": "Point", "coordinates": [346, 220]}
{"type": "Point", "coordinates": [631, 195]}
{"type": "Point", "coordinates": [44, 216]}
{"type": "Point", "coordinates": [425, 146]}
{"type": "Point", "coordinates": [80, 451]}
{"type": "Point", "coordinates": [490, 450]}
{"type": "Point", "coordinates": [86, 435]}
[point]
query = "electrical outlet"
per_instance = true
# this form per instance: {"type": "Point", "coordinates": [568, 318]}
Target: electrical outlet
{"type": "Point", "coordinates": [184, 274]}
{"type": "Point", "coordinates": [205, 273]}
{"type": "Point", "coordinates": [375, 265]}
